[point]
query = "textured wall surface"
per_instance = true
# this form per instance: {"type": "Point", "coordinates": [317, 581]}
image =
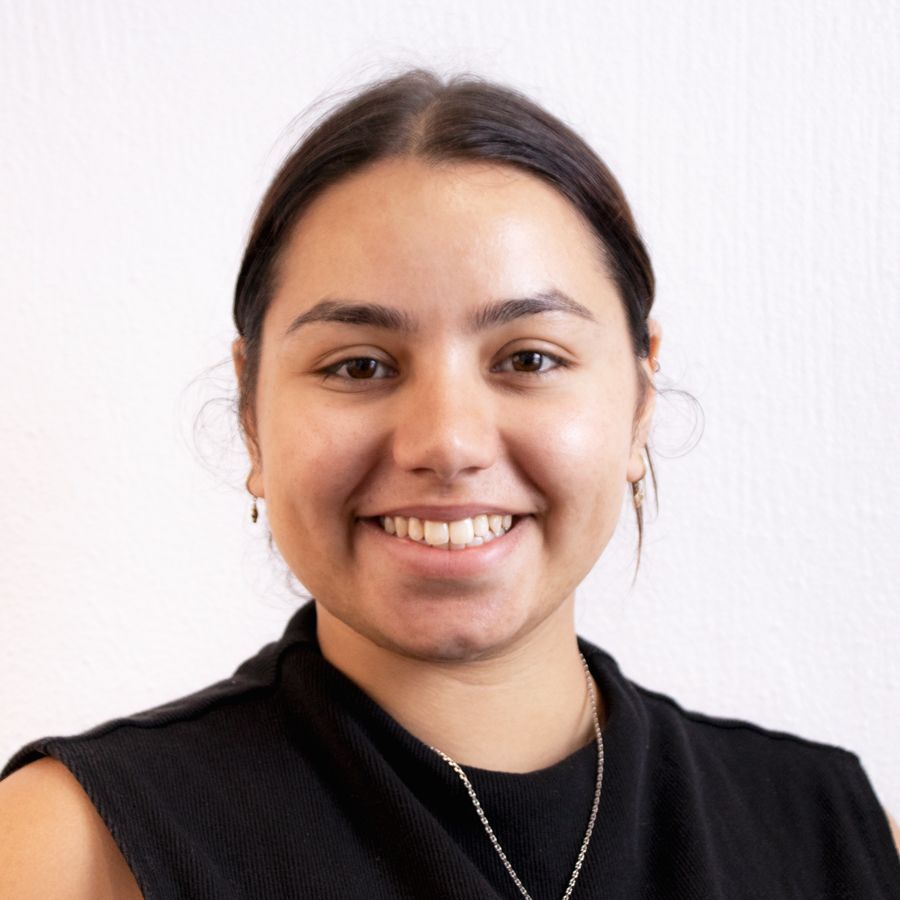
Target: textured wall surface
{"type": "Point", "coordinates": [759, 144]}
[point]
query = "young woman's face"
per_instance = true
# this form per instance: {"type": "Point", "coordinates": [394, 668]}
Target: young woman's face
{"type": "Point", "coordinates": [482, 365]}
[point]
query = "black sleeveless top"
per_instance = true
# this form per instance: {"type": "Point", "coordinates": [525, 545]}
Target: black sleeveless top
{"type": "Point", "coordinates": [288, 781]}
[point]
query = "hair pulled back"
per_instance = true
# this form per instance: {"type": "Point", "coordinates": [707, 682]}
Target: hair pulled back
{"type": "Point", "coordinates": [465, 118]}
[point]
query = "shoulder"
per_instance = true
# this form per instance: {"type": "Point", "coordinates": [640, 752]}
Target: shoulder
{"type": "Point", "coordinates": [782, 767]}
{"type": "Point", "coordinates": [53, 842]}
{"type": "Point", "coordinates": [122, 750]}
{"type": "Point", "coordinates": [782, 771]}
{"type": "Point", "coordinates": [750, 741]}
{"type": "Point", "coordinates": [80, 813]}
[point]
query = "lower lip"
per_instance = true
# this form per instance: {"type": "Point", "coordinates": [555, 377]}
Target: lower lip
{"type": "Point", "coordinates": [435, 562]}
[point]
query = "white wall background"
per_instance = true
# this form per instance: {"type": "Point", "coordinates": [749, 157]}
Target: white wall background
{"type": "Point", "coordinates": [759, 144]}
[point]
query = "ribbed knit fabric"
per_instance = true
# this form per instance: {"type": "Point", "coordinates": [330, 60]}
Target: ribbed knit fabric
{"type": "Point", "coordinates": [288, 781]}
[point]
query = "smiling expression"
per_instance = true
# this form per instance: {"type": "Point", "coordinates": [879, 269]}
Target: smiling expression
{"type": "Point", "coordinates": [443, 340]}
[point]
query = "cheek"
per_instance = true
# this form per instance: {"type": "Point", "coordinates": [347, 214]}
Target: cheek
{"type": "Point", "coordinates": [310, 457]}
{"type": "Point", "coordinates": [585, 442]}
{"type": "Point", "coordinates": [580, 465]}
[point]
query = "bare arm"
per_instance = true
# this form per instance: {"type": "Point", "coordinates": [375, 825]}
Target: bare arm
{"type": "Point", "coordinates": [895, 830]}
{"type": "Point", "coordinates": [53, 842]}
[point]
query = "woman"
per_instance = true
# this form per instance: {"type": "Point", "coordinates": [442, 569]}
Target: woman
{"type": "Point", "coordinates": [446, 362]}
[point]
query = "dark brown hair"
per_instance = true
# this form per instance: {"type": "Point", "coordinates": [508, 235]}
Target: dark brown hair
{"type": "Point", "coordinates": [466, 118]}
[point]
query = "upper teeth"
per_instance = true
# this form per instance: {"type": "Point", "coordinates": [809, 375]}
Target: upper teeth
{"type": "Point", "coordinates": [456, 535]}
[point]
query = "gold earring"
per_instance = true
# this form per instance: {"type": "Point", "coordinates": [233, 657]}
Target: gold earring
{"type": "Point", "coordinates": [254, 512]}
{"type": "Point", "coordinates": [637, 487]}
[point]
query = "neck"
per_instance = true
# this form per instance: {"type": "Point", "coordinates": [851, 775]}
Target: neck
{"type": "Point", "coordinates": [518, 711]}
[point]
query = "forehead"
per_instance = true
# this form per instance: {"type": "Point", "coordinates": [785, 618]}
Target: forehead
{"type": "Point", "coordinates": [408, 231]}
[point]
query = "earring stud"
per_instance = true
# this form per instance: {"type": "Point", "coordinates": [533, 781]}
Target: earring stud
{"type": "Point", "coordinates": [637, 487]}
{"type": "Point", "coordinates": [254, 511]}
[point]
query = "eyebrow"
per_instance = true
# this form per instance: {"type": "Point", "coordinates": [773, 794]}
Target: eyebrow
{"type": "Point", "coordinates": [491, 315]}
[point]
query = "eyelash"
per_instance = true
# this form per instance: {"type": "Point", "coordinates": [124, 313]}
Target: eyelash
{"type": "Point", "coordinates": [332, 370]}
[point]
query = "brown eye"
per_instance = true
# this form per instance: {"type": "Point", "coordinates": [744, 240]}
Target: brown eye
{"type": "Point", "coordinates": [364, 367]}
{"type": "Point", "coordinates": [531, 360]}
{"type": "Point", "coordinates": [359, 368]}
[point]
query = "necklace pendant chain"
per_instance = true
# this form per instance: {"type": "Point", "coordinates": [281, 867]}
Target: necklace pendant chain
{"type": "Point", "coordinates": [590, 827]}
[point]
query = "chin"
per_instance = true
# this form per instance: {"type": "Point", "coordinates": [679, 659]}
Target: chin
{"type": "Point", "coordinates": [453, 632]}
{"type": "Point", "coordinates": [442, 647]}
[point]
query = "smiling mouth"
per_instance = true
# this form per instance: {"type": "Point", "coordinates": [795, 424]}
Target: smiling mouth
{"type": "Point", "coordinates": [459, 535]}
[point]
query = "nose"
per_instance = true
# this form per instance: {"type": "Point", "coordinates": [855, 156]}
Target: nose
{"type": "Point", "coordinates": [445, 424]}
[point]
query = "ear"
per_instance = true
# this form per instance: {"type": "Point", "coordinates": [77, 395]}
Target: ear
{"type": "Point", "coordinates": [238, 354]}
{"type": "Point", "coordinates": [255, 482]}
{"type": "Point", "coordinates": [636, 461]}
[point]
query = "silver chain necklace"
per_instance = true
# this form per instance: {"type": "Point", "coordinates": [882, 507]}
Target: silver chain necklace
{"type": "Point", "coordinates": [587, 837]}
